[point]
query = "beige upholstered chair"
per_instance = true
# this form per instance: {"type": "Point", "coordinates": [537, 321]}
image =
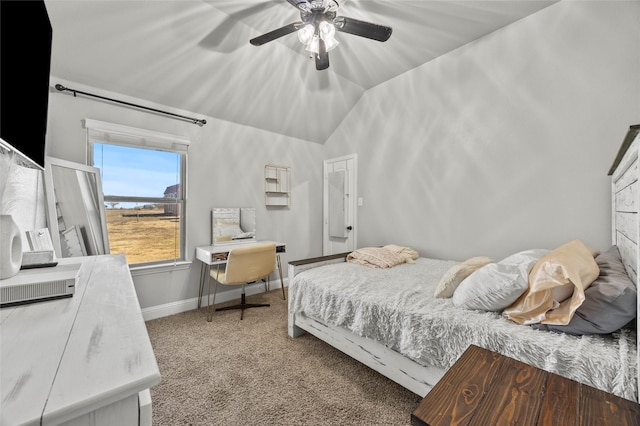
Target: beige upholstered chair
{"type": "Point", "coordinates": [245, 264]}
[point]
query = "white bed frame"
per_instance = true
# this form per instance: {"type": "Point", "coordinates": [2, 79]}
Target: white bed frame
{"type": "Point", "coordinates": [420, 379]}
{"type": "Point", "coordinates": [402, 370]}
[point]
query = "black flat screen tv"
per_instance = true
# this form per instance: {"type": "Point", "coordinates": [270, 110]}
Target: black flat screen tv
{"type": "Point", "coordinates": [25, 60]}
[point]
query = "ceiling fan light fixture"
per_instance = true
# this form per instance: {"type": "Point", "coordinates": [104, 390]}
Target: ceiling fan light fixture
{"type": "Point", "coordinates": [327, 32]}
{"type": "Point", "coordinates": [306, 33]}
{"type": "Point", "coordinates": [309, 36]}
{"type": "Point", "coordinates": [313, 45]}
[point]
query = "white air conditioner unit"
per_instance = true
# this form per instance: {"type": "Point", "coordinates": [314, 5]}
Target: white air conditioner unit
{"type": "Point", "coordinates": [33, 285]}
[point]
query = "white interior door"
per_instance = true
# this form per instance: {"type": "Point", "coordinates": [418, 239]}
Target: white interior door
{"type": "Point", "coordinates": [340, 205]}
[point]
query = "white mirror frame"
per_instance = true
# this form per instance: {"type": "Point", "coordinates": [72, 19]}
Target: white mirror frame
{"type": "Point", "coordinates": [95, 246]}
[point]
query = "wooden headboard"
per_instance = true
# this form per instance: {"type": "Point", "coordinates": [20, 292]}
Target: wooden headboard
{"type": "Point", "coordinates": [625, 203]}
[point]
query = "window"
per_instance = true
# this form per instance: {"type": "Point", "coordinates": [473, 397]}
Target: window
{"type": "Point", "coordinates": [143, 182]}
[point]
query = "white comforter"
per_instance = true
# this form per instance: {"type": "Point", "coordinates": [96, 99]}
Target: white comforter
{"type": "Point", "coordinates": [396, 307]}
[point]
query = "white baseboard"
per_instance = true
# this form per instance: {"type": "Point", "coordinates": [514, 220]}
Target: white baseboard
{"type": "Point", "coordinates": [159, 311]}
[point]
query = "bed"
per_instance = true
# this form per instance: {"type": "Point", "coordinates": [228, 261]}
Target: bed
{"type": "Point", "coordinates": [390, 320]}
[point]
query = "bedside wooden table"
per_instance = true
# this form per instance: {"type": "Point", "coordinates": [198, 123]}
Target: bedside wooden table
{"type": "Point", "coordinates": [486, 388]}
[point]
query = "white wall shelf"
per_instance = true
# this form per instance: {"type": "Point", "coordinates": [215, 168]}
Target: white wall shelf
{"type": "Point", "coordinates": [277, 185]}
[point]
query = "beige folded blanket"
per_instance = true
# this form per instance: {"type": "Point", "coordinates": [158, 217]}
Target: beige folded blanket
{"type": "Point", "coordinates": [379, 257]}
{"type": "Point", "coordinates": [407, 252]}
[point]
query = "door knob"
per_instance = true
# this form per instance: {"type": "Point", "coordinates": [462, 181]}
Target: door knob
{"type": "Point", "coordinates": [349, 228]}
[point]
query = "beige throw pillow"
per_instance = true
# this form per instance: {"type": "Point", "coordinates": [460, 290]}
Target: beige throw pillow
{"type": "Point", "coordinates": [454, 276]}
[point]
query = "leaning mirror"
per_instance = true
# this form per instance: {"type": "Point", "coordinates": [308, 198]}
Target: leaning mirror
{"type": "Point", "coordinates": [233, 225]}
{"type": "Point", "coordinates": [75, 208]}
{"type": "Point", "coordinates": [22, 211]}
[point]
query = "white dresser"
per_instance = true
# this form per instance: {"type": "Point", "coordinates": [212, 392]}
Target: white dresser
{"type": "Point", "coordinates": [84, 360]}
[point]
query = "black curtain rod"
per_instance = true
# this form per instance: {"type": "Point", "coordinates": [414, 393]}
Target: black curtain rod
{"type": "Point", "coordinates": [198, 121]}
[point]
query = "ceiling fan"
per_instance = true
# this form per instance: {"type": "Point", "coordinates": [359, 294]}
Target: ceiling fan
{"type": "Point", "coordinates": [317, 26]}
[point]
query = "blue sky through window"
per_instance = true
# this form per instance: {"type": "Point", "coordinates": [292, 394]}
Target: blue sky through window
{"type": "Point", "coordinates": [135, 172]}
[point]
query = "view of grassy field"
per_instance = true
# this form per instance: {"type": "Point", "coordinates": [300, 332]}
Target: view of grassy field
{"type": "Point", "coordinates": [143, 235]}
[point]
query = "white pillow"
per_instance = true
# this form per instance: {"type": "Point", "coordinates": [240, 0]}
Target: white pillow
{"type": "Point", "coordinates": [458, 272]}
{"type": "Point", "coordinates": [497, 285]}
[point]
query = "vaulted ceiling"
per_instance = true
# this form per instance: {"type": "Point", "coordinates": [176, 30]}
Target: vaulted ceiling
{"type": "Point", "coordinates": [195, 55]}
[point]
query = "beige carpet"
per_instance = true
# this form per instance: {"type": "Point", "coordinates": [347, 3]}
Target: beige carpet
{"type": "Point", "coordinates": [250, 372]}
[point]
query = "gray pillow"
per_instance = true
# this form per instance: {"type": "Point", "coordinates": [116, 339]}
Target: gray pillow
{"type": "Point", "coordinates": [610, 301]}
{"type": "Point", "coordinates": [497, 285]}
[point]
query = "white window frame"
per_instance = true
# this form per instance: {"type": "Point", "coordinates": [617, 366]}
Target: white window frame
{"type": "Point", "coordinates": [117, 134]}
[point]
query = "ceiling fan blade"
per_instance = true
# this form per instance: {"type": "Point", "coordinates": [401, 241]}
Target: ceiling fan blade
{"type": "Point", "coordinates": [322, 58]}
{"type": "Point", "coordinates": [277, 33]}
{"type": "Point", "coordinates": [362, 28]}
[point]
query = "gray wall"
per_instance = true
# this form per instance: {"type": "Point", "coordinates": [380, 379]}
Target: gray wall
{"type": "Point", "coordinates": [225, 168]}
{"type": "Point", "coordinates": [503, 144]}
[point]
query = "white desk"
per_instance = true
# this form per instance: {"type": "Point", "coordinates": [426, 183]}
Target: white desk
{"type": "Point", "coordinates": [217, 255]}
{"type": "Point", "coordinates": [86, 359]}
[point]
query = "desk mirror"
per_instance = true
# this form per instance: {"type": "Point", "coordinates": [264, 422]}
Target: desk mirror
{"type": "Point", "coordinates": [233, 225]}
{"type": "Point", "coordinates": [75, 206]}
